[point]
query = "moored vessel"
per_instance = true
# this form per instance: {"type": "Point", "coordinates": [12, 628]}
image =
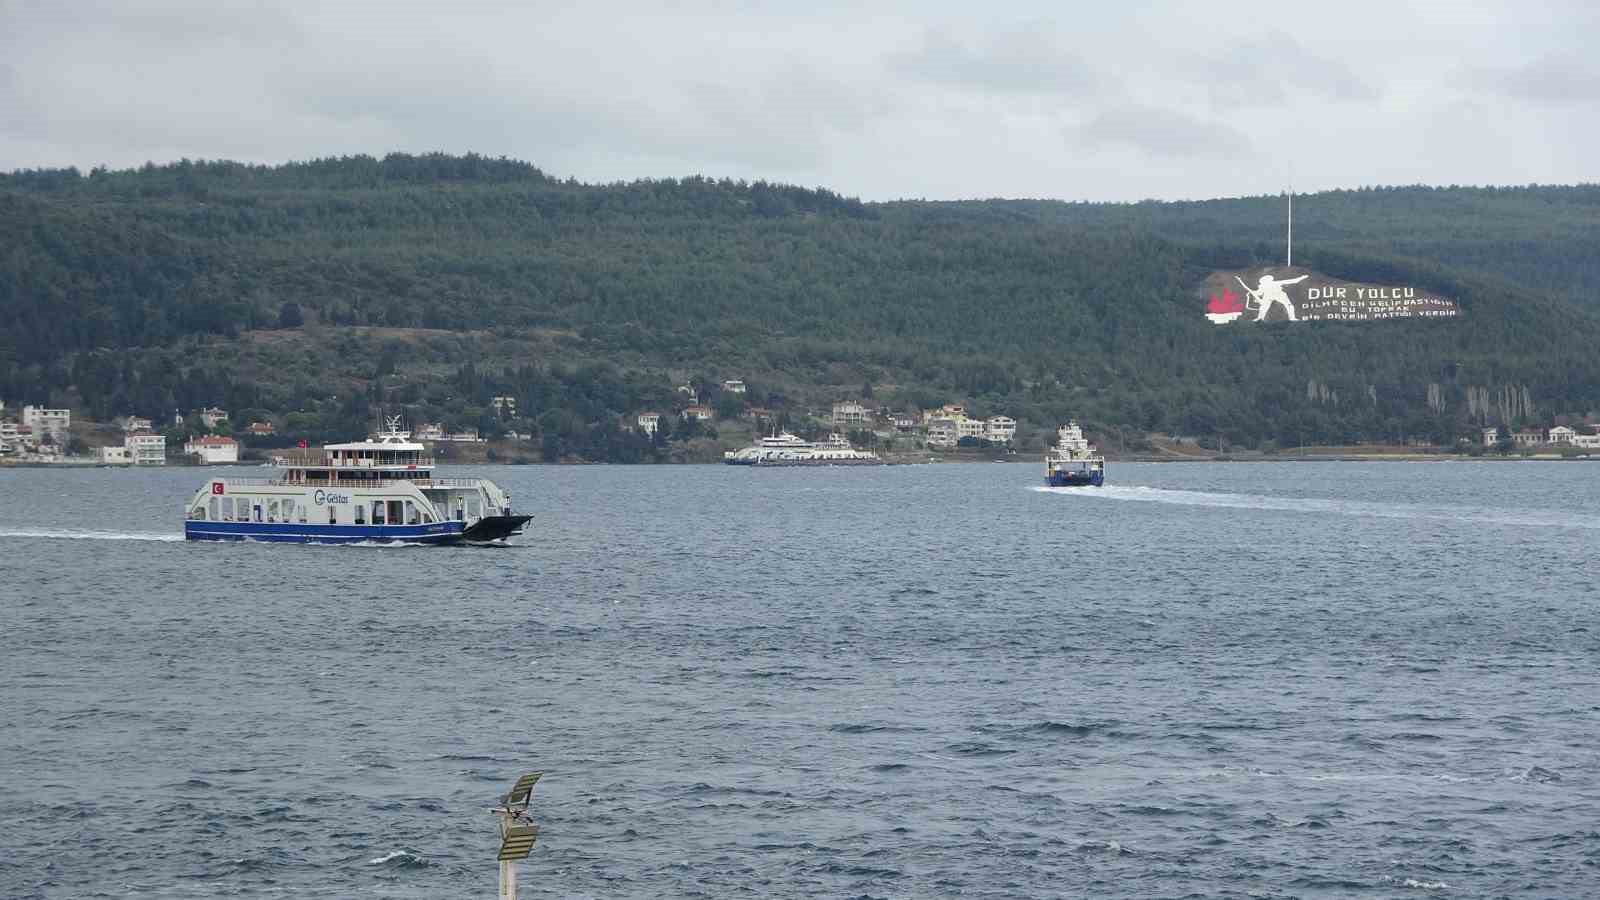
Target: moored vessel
{"type": "Point", "coordinates": [382, 489]}
{"type": "Point", "coordinates": [1073, 460]}
{"type": "Point", "coordinates": [791, 450]}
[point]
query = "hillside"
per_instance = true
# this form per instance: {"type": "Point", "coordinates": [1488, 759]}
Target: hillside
{"type": "Point", "coordinates": [313, 291]}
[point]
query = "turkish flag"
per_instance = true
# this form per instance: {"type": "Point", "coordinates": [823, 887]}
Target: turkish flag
{"type": "Point", "coordinates": [216, 487]}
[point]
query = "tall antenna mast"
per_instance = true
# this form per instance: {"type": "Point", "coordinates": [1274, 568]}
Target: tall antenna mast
{"type": "Point", "coordinates": [1289, 247]}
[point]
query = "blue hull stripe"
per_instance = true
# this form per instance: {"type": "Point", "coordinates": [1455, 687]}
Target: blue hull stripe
{"type": "Point", "coordinates": [1075, 480]}
{"type": "Point", "coordinates": [302, 533]}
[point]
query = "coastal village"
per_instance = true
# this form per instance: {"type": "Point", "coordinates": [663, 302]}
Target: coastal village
{"type": "Point", "coordinates": [37, 435]}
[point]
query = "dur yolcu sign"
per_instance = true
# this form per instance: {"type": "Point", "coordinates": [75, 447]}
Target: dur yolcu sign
{"type": "Point", "coordinates": [1293, 294]}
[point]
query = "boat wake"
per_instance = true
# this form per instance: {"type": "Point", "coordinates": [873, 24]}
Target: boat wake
{"type": "Point", "coordinates": [68, 534]}
{"type": "Point", "coordinates": [1138, 494]}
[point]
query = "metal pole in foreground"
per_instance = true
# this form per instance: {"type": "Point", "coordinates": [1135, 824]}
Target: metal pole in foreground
{"type": "Point", "coordinates": [517, 832]}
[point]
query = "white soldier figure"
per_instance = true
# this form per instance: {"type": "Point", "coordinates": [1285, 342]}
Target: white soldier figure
{"type": "Point", "coordinates": [1269, 291]}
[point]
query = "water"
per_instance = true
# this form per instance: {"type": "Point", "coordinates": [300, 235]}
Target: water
{"type": "Point", "coordinates": [1273, 680]}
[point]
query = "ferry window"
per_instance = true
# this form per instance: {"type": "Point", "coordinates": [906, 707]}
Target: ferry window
{"type": "Point", "coordinates": [377, 512]}
{"type": "Point", "coordinates": [199, 512]}
{"type": "Point", "coordinates": [212, 508]}
{"type": "Point", "coordinates": [473, 506]}
{"type": "Point", "coordinates": [411, 513]}
{"type": "Point", "coordinates": [301, 513]}
{"type": "Point", "coordinates": [258, 512]}
{"type": "Point", "coordinates": [272, 510]}
{"type": "Point", "coordinates": [333, 515]}
{"type": "Point", "coordinates": [361, 514]}
{"type": "Point", "coordinates": [397, 512]}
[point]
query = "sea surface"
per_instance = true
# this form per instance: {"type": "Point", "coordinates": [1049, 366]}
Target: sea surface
{"type": "Point", "coordinates": [1206, 680]}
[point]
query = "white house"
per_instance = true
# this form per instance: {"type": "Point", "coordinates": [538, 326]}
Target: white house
{"type": "Point", "coordinates": [429, 431]}
{"type": "Point", "coordinates": [146, 448]}
{"type": "Point", "coordinates": [849, 413]}
{"type": "Point", "coordinates": [55, 422]}
{"type": "Point", "coordinates": [649, 422]}
{"type": "Point", "coordinates": [113, 456]}
{"type": "Point", "coordinates": [212, 450]}
{"type": "Point", "coordinates": [137, 423]}
{"type": "Point", "coordinates": [999, 429]}
{"type": "Point", "coordinates": [1587, 441]}
{"type": "Point", "coordinates": [1491, 436]}
{"type": "Point", "coordinates": [506, 406]}
{"type": "Point", "coordinates": [1561, 434]}
{"type": "Point", "coordinates": [213, 416]}
{"type": "Point", "coordinates": [1528, 437]}
{"type": "Point", "coordinates": [733, 386]}
{"type": "Point", "coordinates": [969, 428]}
{"type": "Point", "coordinates": [942, 433]}
{"type": "Point", "coordinates": [698, 413]}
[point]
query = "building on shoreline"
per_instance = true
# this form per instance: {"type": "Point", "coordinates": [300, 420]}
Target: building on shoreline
{"type": "Point", "coordinates": [210, 450]}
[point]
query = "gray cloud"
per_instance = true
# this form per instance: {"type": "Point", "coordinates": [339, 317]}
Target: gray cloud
{"type": "Point", "coordinates": [1274, 69]}
{"type": "Point", "coordinates": [1549, 79]}
{"type": "Point", "coordinates": [927, 99]}
{"type": "Point", "coordinates": [1029, 59]}
{"type": "Point", "coordinates": [1161, 132]}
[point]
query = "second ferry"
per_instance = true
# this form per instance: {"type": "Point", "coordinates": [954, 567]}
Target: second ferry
{"type": "Point", "coordinates": [1073, 461]}
{"type": "Point", "coordinates": [790, 450]}
{"type": "Point", "coordinates": [382, 489]}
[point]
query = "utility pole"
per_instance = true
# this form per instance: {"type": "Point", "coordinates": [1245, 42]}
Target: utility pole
{"type": "Point", "coordinates": [517, 832]}
{"type": "Point", "coordinates": [1289, 246]}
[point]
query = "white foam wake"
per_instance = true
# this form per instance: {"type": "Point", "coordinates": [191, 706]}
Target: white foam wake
{"type": "Point", "coordinates": [93, 535]}
{"type": "Point", "coordinates": [1529, 518]}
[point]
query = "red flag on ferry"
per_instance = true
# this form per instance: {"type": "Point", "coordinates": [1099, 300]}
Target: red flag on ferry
{"type": "Point", "coordinates": [302, 444]}
{"type": "Point", "coordinates": [216, 487]}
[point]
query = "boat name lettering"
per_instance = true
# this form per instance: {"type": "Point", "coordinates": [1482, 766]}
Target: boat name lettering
{"type": "Point", "coordinates": [324, 497]}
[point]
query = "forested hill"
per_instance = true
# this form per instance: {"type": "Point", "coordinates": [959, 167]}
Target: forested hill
{"type": "Point", "coordinates": [431, 283]}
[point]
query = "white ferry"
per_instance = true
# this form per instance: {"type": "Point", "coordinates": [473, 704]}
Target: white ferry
{"type": "Point", "coordinates": [1073, 460]}
{"type": "Point", "coordinates": [790, 450]}
{"type": "Point", "coordinates": [381, 489]}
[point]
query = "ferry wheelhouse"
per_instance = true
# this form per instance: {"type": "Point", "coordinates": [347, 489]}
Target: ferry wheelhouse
{"type": "Point", "coordinates": [382, 489]}
{"type": "Point", "coordinates": [1073, 460]}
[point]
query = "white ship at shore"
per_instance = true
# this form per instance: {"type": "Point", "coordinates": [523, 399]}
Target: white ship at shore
{"type": "Point", "coordinates": [790, 450]}
{"type": "Point", "coordinates": [382, 489]}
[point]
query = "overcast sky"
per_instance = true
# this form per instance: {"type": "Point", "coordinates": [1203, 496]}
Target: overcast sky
{"type": "Point", "coordinates": [1104, 101]}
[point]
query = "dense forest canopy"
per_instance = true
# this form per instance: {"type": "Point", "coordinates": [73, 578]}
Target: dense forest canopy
{"type": "Point", "coordinates": [313, 291]}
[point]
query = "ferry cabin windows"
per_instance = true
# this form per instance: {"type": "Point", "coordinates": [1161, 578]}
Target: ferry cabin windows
{"type": "Point", "coordinates": [377, 512]}
{"type": "Point", "coordinates": [333, 514]}
{"type": "Point", "coordinates": [213, 509]}
{"type": "Point", "coordinates": [361, 514]}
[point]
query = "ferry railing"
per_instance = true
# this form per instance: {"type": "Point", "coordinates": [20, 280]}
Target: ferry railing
{"type": "Point", "coordinates": [321, 461]}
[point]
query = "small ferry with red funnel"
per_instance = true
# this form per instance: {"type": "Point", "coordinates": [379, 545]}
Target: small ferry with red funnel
{"type": "Point", "coordinates": [1073, 461]}
{"type": "Point", "coordinates": [381, 490]}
